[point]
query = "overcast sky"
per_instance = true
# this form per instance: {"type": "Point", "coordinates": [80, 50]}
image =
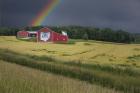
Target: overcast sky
{"type": "Point", "coordinates": [116, 14]}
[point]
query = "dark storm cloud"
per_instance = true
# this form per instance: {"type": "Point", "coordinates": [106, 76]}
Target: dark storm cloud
{"type": "Point", "coordinates": [117, 14]}
{"type": "Point", "coordinates": [19, 12]}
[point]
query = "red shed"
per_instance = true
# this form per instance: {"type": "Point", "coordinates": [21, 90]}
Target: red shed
{"type": "Point", "coordinates": [22, 34]}
{"type": "Point", "coordinates": [47, 35]}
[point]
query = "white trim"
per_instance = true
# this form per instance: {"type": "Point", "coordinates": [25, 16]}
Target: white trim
{"type": "Point", "coordinates": [32, 32]}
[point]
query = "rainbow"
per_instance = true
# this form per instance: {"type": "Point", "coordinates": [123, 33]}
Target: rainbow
{"type": "Point", "coordinates": [44, 12]}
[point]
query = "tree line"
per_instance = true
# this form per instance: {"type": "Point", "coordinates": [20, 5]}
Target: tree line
{"type": "Point", "coordinates": [80, 32]}
{"type": "Point", "coordinates": [6, 31]}
{"type": "Point", "coordinates": [106, 34]}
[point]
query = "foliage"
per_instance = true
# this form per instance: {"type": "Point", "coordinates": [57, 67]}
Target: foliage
{"type": "Point", "coordinates": [137, 38]}
{"type": "Point", "coordinates": [106, 34]}
{"type": "Point", "coordinates": [5, 31]}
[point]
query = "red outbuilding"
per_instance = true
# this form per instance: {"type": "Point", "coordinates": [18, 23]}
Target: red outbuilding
{"type": "Point", "coordinates": [22, 34]}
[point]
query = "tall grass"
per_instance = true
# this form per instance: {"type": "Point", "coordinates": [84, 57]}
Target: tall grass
{"type": "Point", "coordinates": [18, 79]}
{"type": "Point", "coordinates": [134, 57]}
{"type": "Point", "coordinates": [111, 69]}
{"type": "Point", "coordinates": [126, 83]}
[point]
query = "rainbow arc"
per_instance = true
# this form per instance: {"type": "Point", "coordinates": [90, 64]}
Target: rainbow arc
{"type": "Point", "coordinates": [44, 12]}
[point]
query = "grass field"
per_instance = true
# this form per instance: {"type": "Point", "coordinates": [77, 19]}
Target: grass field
{"type": "Point", "coordinates": [106, 64]}
{"type": "Point", "coordinates": [87, 52]}
{"type": "Point", "coordinates": [18, 79]}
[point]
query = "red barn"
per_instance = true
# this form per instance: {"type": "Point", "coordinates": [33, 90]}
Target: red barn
{"type": "Point", "coordinates": [22, 34]}
{"type": "Point", "coordinates": [44, 35]}
{"type": "Point", "coordinates": [47, 35]}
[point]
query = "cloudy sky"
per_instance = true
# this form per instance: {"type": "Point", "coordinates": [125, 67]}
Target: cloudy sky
{"type": "Point", "coordinates": [116, 14]}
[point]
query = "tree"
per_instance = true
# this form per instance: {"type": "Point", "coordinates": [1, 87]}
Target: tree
{"type": "Point", "coordinates": [85, 36]}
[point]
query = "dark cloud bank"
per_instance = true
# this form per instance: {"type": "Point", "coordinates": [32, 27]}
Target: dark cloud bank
{"type": "Point", "coordinates": [116, 14]}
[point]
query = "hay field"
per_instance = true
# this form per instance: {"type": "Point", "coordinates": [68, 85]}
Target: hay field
{"type": "Point", "coordinates": [106, 64]}
{"type": "Point", "coordinates": [89, 52]}
{"type": "Point", "coordinates": [19, 79]}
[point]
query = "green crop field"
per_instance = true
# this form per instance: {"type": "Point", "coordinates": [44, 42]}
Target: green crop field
{"type": "Point", "coordinates": [77, 67]}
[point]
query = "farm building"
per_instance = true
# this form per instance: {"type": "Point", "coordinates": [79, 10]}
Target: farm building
{"type": "Point", "coordinates": [44, 35]}
{"type": "Point", "coordinates": [26, 34]}
{"type": "Point", "coordinates": [22, 34]}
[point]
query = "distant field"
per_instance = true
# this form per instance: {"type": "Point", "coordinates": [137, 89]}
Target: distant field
{"type": "Point", "coordinates": [91, 52]}
{"type": "Point", "coordinates": [110, 65]}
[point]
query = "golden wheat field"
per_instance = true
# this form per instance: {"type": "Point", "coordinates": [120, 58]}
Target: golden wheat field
{"type": "Point", "coordinates": [91, 52]}
{"type": "Point", "coordinates": [19, 79]}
